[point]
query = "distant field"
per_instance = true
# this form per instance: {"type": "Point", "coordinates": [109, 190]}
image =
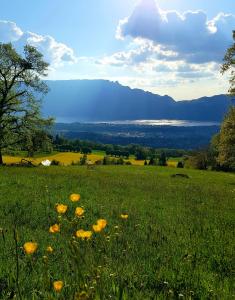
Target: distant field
{"type": "Point", "coordinates": [178, 240]}
{"type": "Point", "coordinates": [67, 158]}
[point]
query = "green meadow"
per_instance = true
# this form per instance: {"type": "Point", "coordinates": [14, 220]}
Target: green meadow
{"type": "Point", "coordinates": [178, 241]}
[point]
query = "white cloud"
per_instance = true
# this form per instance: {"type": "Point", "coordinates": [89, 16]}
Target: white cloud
{"type": "Point", "coordinates": [169, 48]}
{"type": "Point", "coordinates": [9, 32]}
{"type": "Point", "coordinates": [54, 52]}
{"type": "Point", "coordinates": [149, 59]}
{"type": "Point", "coordinates": [142, 52]}
{"type": "Point", "coordinates": [195, 38]}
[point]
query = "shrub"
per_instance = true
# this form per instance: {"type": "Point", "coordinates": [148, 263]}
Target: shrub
{"type": "Point", "coordinates": [83, 160]}
{"type": "Point", "coordinates": [180, 165]}
{"type": "Point", "coordinates": [162, 160]}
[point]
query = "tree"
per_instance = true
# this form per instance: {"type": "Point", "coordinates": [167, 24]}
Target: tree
{"type": "Point", "coordinates": [199, 160]}
{"type": "Point", "coordinates": [20, 89]}
{"type": "Point", "coordinates": [180, 165]}
{"type": "Point", "coordinates": [37, 140]}
{"type": "Point", "coordinates": [83, 160]}
{"type": "Point", "coordinates": [226, 144]}
{"type": "Point", "coordinates": [152, 161]}
{"type": "Point", "coordinates": [226, 138]}
{"type": "Point", "coordinates": [229, 65]}
{"type": "Point", "coordinates": [86, 150]}
{"type": "Point", "coordinates": [141, 154]}
{"type": "Point", "coordinates": [162, 159]}
{"type": "Point", "coordinates": [213, 152]}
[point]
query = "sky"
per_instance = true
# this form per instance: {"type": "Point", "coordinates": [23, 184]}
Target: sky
{"type": "Point", "coordinates": [172, 47]}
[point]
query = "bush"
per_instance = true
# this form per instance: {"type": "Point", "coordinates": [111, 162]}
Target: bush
{"type": "Point", "coordinates": [162, 160]}
{"type": "Point", "coordinates": [120, 161]}
{"type": "Point", "coordinates": [83, 160]}
{"type": "Point", "coordinates": [55, 162]}
{"type": "Point", "coordinates": [152, 161]}
{"type": "Point", "coordinates": [198, 161]}
{"type": "Point", "coordinates": [180, 165]}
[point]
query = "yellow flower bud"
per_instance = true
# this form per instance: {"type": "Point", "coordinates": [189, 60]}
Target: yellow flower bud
{"type": "Point", "coordinates": [79, 211]}
{"type": "Point", "coordinates": [49, 249]}
{"type": "Point", "coordinates": [75, 197]}
{"type": "Point", "coordinates": [83, 234]}
{"type": "Point", "coordinates": [30, 247]}
{"type": "Point", "coordinates": [124, 216]}
{"type": "Point", "coordinates": [58, 285]}
{"type": "Point", "coordinates": [97, 228]}
{"type": "Point", "coordinates": [102, 223]}
{"type": "Point", "coordinates": [61, 208]}
{"type": "Point", "coordinates": [54, 228]}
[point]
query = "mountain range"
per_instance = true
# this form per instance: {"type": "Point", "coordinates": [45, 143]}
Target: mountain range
{"type": "Point", "coordinates": [102, 100]}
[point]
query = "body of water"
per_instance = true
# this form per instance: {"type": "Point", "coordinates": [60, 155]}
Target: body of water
{"type": "Point", "coordinates": [180, 123]}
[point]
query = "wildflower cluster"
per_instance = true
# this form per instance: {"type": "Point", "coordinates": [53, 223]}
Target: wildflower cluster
{"type": "Point", "coordinates": [69, 221]}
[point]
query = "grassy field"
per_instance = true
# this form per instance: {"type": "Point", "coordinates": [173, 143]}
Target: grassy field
{"type": "Point", "coordinates": [177, 242]}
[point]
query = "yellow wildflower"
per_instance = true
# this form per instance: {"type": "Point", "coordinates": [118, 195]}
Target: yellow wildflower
{"type": "Point", "coordinates": [50, 249]}
{"type": "Point", "coordinates": [58, 285]}
{"type": "Point", "coordinates": [75, 197]}
{"type": "Point", "coordinates": [102, 223]}
{"type": "Point", "coordinates": [83, 234]}
{"type": "Point", "coordinates": [61, 208]}
{"type": "Point", "coordinates": [97, 228]}
{"type": "Point", "coordinates": [54, 228]}
{"type": "Point", "coordinates": [79, 211]}
{"type": "Point", "coordinates": [124, 216]}
{"type": "Point", "coordinates": [30, 247]}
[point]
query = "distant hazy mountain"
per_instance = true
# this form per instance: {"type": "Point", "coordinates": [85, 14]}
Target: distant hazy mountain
{"type": "Point", "coordinates": [102, 100]}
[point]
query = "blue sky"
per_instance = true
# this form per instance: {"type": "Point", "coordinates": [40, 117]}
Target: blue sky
{"type": "Point", "coordinates": [170, 47]}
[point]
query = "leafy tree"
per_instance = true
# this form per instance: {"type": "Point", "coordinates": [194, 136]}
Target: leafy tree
{"type": "Point", "coordinates": [106, 160]}
{"type": "Point", "coordinates": [199, 160]}
{"type": "Point", "coordinates": [229, 65]}
{"type": "Point", "coordinates": [226, 138]}
{"type": "Point", "coordinates": [152, 161]}
{"type": "Point", "coordinates": [162, 159]}
{"type": "Point", "coordinates": [213, 152]}
{"type": "Point", "coordinates": [180, 165]}
{"type": "Point", "coordinates": [141, 154]}
{"type": "Point", "coordinates": [226, 145]}
{"type": "Point", "coordinates": [38, 140]}
{"type": "Point", "coordinates": [20, 87]}
{"type": "Point", "coordinates": [86, 150]}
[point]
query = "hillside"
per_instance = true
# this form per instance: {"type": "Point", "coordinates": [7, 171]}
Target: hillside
{"type": "Point", "coordinates": [172, 137]}
{"type": "Point", "coordinates": [102, 100]}
{"type": "Point", "coordinates": [178, 238]}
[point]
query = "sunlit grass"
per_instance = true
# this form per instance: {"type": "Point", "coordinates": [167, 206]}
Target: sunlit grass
{"type": "Point", "coordinates": [67, 158]}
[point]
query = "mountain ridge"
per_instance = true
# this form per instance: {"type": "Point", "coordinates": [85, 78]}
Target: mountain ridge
{"type": "Point", "coordinates": [103, 100]}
